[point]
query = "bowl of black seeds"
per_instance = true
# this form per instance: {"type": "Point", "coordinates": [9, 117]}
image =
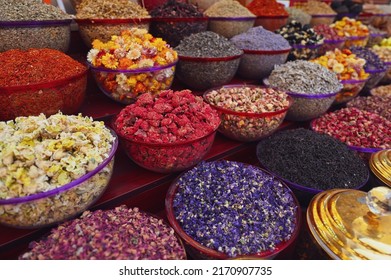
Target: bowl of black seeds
{"type": "Point", "coordinates": [310, 162]}
{"type": "Point", "coordinates": [206, 60]}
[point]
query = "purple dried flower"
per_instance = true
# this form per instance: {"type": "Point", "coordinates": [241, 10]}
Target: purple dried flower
{"type": "Point", "coordinates": [234, 208]}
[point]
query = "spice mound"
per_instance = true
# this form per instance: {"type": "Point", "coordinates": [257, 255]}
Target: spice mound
{"type": "Point", "coordinates": [117, 234]}
{"type": "Point", "coordinates": [327, 32]}
{"type": "Point", "coordinates": [304, 77]}
{"type": "Point", "coordinates": [36, 66]}
{"type": "Point", "coordinates": [349, 27]}
{"type": "Point", "coordinates": [382, 91]}
{"type": "Point", "coordinates": [298, 34]}
{"type": "Point", "coordinates": [39, 155]}
{"type": "Point", "coordinates": [312, 160]}
{"type": "Point", "coordinates": [267, 8]}
{"type": "Point", "coordinates": [317, 8]}
{"type": "Point", "coordinates": [97, 9]}
{"type": "Point", "coordinates": [135, 49]}
{"type": "Point", "coordinates": [298, 15]}
{"type": "Point", "coordinates": [375, 104]}
{"type": "Point", "coordinates": [167, 133]}
{"type": "Point", "coordinates": [373, 61]}
{"type": "Point", "coordinates": [258, 38]}
{"type": "Point", "coordinates": [234, 208]}
{"type": "Point", "coordinates": [174, 31]}
{"type": "Point", "coordinates": [383, 52]}
{"type": "Point", "coordinates": [228, 8]}
{"type": "Point", "coordinates": [356, 128]}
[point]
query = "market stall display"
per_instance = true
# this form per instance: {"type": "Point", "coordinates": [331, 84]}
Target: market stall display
{"type": "Point", "coordinates": [271, 15]}
{"type": "Point", "coordinates": [52, 169]}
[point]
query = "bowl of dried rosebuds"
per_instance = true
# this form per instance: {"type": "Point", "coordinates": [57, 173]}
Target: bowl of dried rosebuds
{"type": "Point", "coordinates": [168, 132]}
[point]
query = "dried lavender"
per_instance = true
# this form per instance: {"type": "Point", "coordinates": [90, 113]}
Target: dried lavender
{"type": "Point", "coordinates": [304, 77]}
{"type": "Point", "coordinates": [174, 31]}
{"type": "Point", "coordinates": [234, 208]}
{"type": "Point", "coordinates": [258, 38]}
{"type": "Point", "coordinates": [312, 160]}
{"type": "Point", "coordinates": [116, 234]}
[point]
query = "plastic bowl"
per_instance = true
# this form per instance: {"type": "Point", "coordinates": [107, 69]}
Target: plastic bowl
{"type": "Point", "coordinates": [351, 88]}
{"type": "Point", "coordinates": [230, 26]}
{"type": "Point", "coordinates": [271, 23]}
{"type": "Point", "coordinates": [243, 126]}
{"type": "Point", "coordinates": [174, 29]}
{"type": "Point", "coordinates": [169, 157]}
{"type": "Point", "coordinates": [151, 79]}
{"type": "Point", "coordinates": [198, 251]}
{"type": "Point", "coordinates": [331, 45]}
{"type": "Point", "coordinates": [103, 29]}
{"type": "Point", "coordinates": [358, 41]}
{"type": "Point", "coordinates": [65, 95]}
{"type": "Point", "coordinates": [201, 73]}
{"type": "Point", "coordinates": [322, 19]}
{"type": "Point", "coordinates": [307, 106]}
{"type": "Point", "coordinates": [51, 34]}
{"type": "Point", "coordinates": [59, 204]}
{"type": "Point", "coordinates": [304, 52]}
{"type": "Point", "coordinates": [258, 64]}
{"type": "Point", "coordinates": [364, 153]}
{"type": "Point", "coordinates": [375, 76]}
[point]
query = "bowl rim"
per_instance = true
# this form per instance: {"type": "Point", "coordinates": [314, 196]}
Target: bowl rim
{"type": "Point", "coordinates": [312, 46]}
{"type": "Point", "coordinates": [376, 71]}
{"type": "Point", "coordinates": [98, 21]}
{"type": "Point", "coordinates": [205, 250]}
{"type": "Point", "coordinates": [126, 137]}
{"type": "Point", "coordinates": [208, 59]}
{"type": "Point", "coordinates": [323, 15]}
{"type": "Point", "coordinates": [178, 19]}
{"type": "Point", "coordinates": [138, 70]}
{"type": "Point", "coordinates": [241, 18]}
{"type": "Point", "coordinates": [351, 81]}
{"type": "Point", "coordinates": [70, 185]}
{"type": "Point", "coordinates": [334, 41]}
{"type": "Point", "coordinates": [363, 37]}
{"type": "Point", "coordinates": [34, 23]}
{"type": "Point", "coordinates": [267, 52]}
{"type": "Point", "coordinates": [273, 17]}
{"type": "Point", "coordinates": [302, 95]}
{"type": "Point", "coordinates": [232, 112]}
{"type": "Point", "coordinates": [301, 187]}
{"type": "Point", "coordinates": [44, 85]}
{"type": "Point", "coordinates": [384, 35]}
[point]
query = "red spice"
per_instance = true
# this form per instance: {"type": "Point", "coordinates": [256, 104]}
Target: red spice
{"type": "Point", "coordinates": [19, 67]}
{"type": "Point", "coordinates": [267, 8]}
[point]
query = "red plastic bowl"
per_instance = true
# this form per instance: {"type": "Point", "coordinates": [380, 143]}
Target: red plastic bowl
{"type": "Point", "coordinates": [65, 95]}
{"type": "Point", "coordinates": [271, 23]}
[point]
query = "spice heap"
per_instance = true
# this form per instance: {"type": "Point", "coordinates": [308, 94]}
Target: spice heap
{"type": "Point", "coordinates": [298, 34]}
{"type": "Point", "coordinates": [304, 40]}
{"type": "Point", "coordinates": [118, 234]}
{"type": "Point", "coordinates": [33, 34]}
{"type": "Point", "coordinates": [386, 42]}
{"type": "Point", "coordinates": [258, 38]}
{"type": "Point", "coordinates": [169, 118]}
{"type": "Point", "coordinates": [382, 91]}
{"type": "Point", "coordinates": [45, 81]}
{"type": "Point", "coordinates": [27, 10]}
{"type": "Point", "coordinates": [375, 104]}
{"type": "Point", "coordinates": [36, 66]}
{"type": "Point", "coordinates": [235, 209]}
{"type": "Point", "coordinates": [267, 8]}
{"type": "Point", "coordinates": [134, 49]}
{"type": "Point", "coordinates": [350, 27]}
{"type": "Point", "coordinates": [345, 64]}
{"type": "Point", "coordinates": [228, 8]}
{"type": "Point", "coordinates": [327, 32]}
{"type": "Point", "coordinates": [373, 61]}
{"type": "Point", "coordinates": [40, 154]}
{"type": "Point", "coordinates": [384, 53]}
{"type": "Point", "coordinates": [174, 31]}
{"type": "Point", "coordinates": [98, 9]}
{"type": "Point", "coordinates": [356, 128]}
{"type": "Point", "coordinates": [298, 15]}
{"type": "Point", "coordinates": [304, 77]}
{"type": "Point", "coordinates": [314, 7]}
{"type": "Point", "coordinates": [312, 160]}
{"type": "Point", "coordinates": [230, 102]}
{"type": "Point", "coordinates": [204, 74]}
